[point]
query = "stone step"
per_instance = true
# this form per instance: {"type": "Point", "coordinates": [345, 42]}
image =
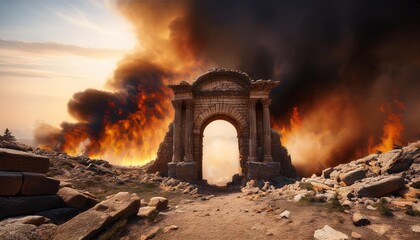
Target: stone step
{"type": "Point", "coordinates": [38, 184]}
{"type": "Point", "coordinates": [15, 206]}
{"type": "Point", "coordinates": [10, 183]}
{"type": "Point", "coordinates": [19, 161]}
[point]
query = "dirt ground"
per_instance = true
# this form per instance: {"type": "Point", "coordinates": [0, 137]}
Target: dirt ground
{"type": "Point", "coordinates": [229, 215]}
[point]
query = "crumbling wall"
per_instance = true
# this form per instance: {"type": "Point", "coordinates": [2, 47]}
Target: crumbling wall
{"type": "Point", "coordinates": [281, 155]}
{"type": "Point", "coordinates": [164, 154]}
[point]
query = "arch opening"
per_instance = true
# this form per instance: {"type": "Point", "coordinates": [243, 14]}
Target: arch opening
{"type": "Point", "coordinates": [220, 152]}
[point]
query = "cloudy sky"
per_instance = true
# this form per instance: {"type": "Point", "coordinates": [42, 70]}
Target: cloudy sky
{"type": "Point", "coordinates": [51, 49]}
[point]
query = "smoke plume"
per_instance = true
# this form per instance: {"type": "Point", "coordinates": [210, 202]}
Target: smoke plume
{"type": "Point", "coordinates": [349, 73]}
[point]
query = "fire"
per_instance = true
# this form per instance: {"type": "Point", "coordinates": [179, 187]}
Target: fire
{"type": "Point", "coordinates": [392, 129]}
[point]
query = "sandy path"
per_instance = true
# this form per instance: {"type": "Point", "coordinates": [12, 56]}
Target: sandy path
{"type": "Point", "coordinates": [231, 216]}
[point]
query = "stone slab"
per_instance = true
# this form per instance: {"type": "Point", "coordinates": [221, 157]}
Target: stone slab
{"type": "Point", "coordinates": [38, 184]}
{"type": "Point", "coordinates": [15, 206]}
{"type": "Point", "coordinates": [10, 183]}
{"type": "Point", "coordinates": [19, 161]}
{"type": "Point", "coordinates": [76, 199]}
{"type": "Point", "coordinates": [119, 206]}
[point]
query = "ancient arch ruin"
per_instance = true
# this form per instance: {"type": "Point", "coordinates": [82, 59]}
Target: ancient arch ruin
{"type": "Point", "coordinates": [228, 95]}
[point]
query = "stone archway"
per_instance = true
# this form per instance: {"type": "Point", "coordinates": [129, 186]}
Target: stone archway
{"type": "Point", "coordinates": [233, 96]}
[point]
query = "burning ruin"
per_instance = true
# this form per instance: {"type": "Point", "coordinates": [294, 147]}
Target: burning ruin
{"type": "Point", "coordinates": [349, 77]}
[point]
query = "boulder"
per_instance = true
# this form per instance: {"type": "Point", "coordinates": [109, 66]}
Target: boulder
{"type": "Point", "coordinates": [328, 233]}
{"type": "Point", "coordinates": [10, 183]}
{"type": "Point", "coordinates": [326, 172]}
{"type": "Point", "coordinates": [386, 159]}
{"type": "Point", "coordinates": [402, 162]}
{"type": "Point", "coordinates": [148, 212]}
{"type": "Point", "coordinates": [380, 187]}
{"type": "Point", "coordinates": [160, 203]}
{"type": "Point", "coordinates": [360, 220]}
{"type": "Point", "coordinates": [119, 206]}
{"type": "Point", "coordinates": [38, 184]}
{"type": "Point", "coordinates": [15, 206]}
{"type": "Point", "coordinates": [350, 177]}
{"type": "Point", "coordinates": [19, 161]}
{"type": "Point", "coordinates": [76, 199]}
{"type": "Point", "coordinates": [151, 234]}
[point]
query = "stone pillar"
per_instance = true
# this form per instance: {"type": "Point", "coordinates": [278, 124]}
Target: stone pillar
{"type": "Point", "coordinates": [188, 139]}
{"type": "Point", "coordinates": [267, 131]}
{"type": "Point", "coordinates": [177, 131]}
{"type": "Point", "coordinates": [252, 131]}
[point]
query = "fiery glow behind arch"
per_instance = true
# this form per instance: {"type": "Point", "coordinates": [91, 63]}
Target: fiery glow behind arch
{"type": "Point", "coordinates": [220, 152]}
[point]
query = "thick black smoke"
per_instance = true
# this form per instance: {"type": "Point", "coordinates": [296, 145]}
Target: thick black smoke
{"type": "Point", "coordinates": [339, 62]}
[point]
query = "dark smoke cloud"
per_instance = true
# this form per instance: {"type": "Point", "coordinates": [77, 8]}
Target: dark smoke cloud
{"type": "Point", "coordinates": [348, 56]}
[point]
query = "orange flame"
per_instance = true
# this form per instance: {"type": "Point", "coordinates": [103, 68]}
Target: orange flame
{"type": "Point", "coordinates": [392, 130]}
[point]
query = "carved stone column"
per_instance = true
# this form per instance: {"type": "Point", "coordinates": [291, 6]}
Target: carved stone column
{"type": "Point", "coordinates": [267, 131]}
{"type": "Point", "coordinates": [177, 131]}
{"type": "Point", "coordinates": [252, 131]}
{"type": "Point", "coordinates": [188, 150]}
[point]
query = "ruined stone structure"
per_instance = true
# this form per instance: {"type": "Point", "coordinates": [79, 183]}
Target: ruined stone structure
{"type": "Point", "coordinates": [227, 95]}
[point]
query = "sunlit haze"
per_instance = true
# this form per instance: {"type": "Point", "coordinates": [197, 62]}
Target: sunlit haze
{"type": "Point", "coordinates": [220, 152]}
{"type": "Point", "coordinates": [50, 50]}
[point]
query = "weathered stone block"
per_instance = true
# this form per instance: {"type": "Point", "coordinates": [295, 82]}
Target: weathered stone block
{"type": "Point", "coordinates": [10, 183]}
{"type": "Point", "coordinates": [263, 170]}
{"type": "Point", "coordinates": [15, 206]}
{"type": "Point", "coordinates": [89, 224]}
{"type": "Point", "coordinates": [76, 199]}
{"type": "Point", "coordinates": [186, 171]}
{"type": "Point", "coordinates": [381, 187]}
{"type": "Point", "coordinates": [160, 203]}
{"type": "Point", "coordinates": [38, 184]}
{"type": "Point", "coordinates": [350, 177]}
{"type": "Point", "coordinates": [19, 161]}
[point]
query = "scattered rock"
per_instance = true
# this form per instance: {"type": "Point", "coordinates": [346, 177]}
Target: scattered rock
{"type": "Point", "coordinates": [356, 236]}
{"type": "Point", "coordinates": [170, 228]}
{"type": "Point", "coordinates": [360, 220]}
{"type": "Point", "coordinates": [415, 228]}
{"type": "Point", "coordinates": [350, 177]}
{"type": "Point", "coordinates": [380, 229]}
{"type": "Point", "coordinates": [328, 233]}
{"type": "Point", "coordinates": [285, 214]}
{"type": "Point", "coordinates": [160, 203]}
{"type": "Point", "coordinates": [148, 212]}
{"type": "Point", "coordinates": [151, 234]}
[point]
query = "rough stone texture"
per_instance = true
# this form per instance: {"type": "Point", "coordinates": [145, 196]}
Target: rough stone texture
{"type": "Point", "coordinates": [379, 188]}
{"type": "Point", "coordinates": [38, 184]}
{"type": "Point", "coordinates": [10, 183]}
{"type": "Point", "coordinates": [76, 199]}
{"type": "Point", "coordinates": [401, 162]}
{"type": "Point", "coordinates": [59, 215]}
{"type": "Point", "coordinates": [19, 161]}
{"type": "Point", "coordinates": [164, 154]}
{"type": "Point", "coordinates": [360, 220]}
{"type": "Point", "coordinates": [350, 177]}
{"type": "Point", "coordinates": [263, 170]}
{"type": "Point", "coordinates": [228, 95]}
{"type": "Point", "coordinates": [147, 212]}
{"type": "Point", "coordinates": [387, 158]}
{"type": "Point", "coordinates": [15, 206]}
{"type": "Point", "coordinates": [160, 203]}
{"type": "Point", "coordinates": [119, 206]}
{"type": "Point", "coordinates": [328, 233]}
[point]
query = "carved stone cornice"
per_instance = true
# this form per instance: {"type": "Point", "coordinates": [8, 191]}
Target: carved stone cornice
{"type": "Point", "coordinates": [263, 85]}
{"type": "Point", "coordinates": [181, 87]}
